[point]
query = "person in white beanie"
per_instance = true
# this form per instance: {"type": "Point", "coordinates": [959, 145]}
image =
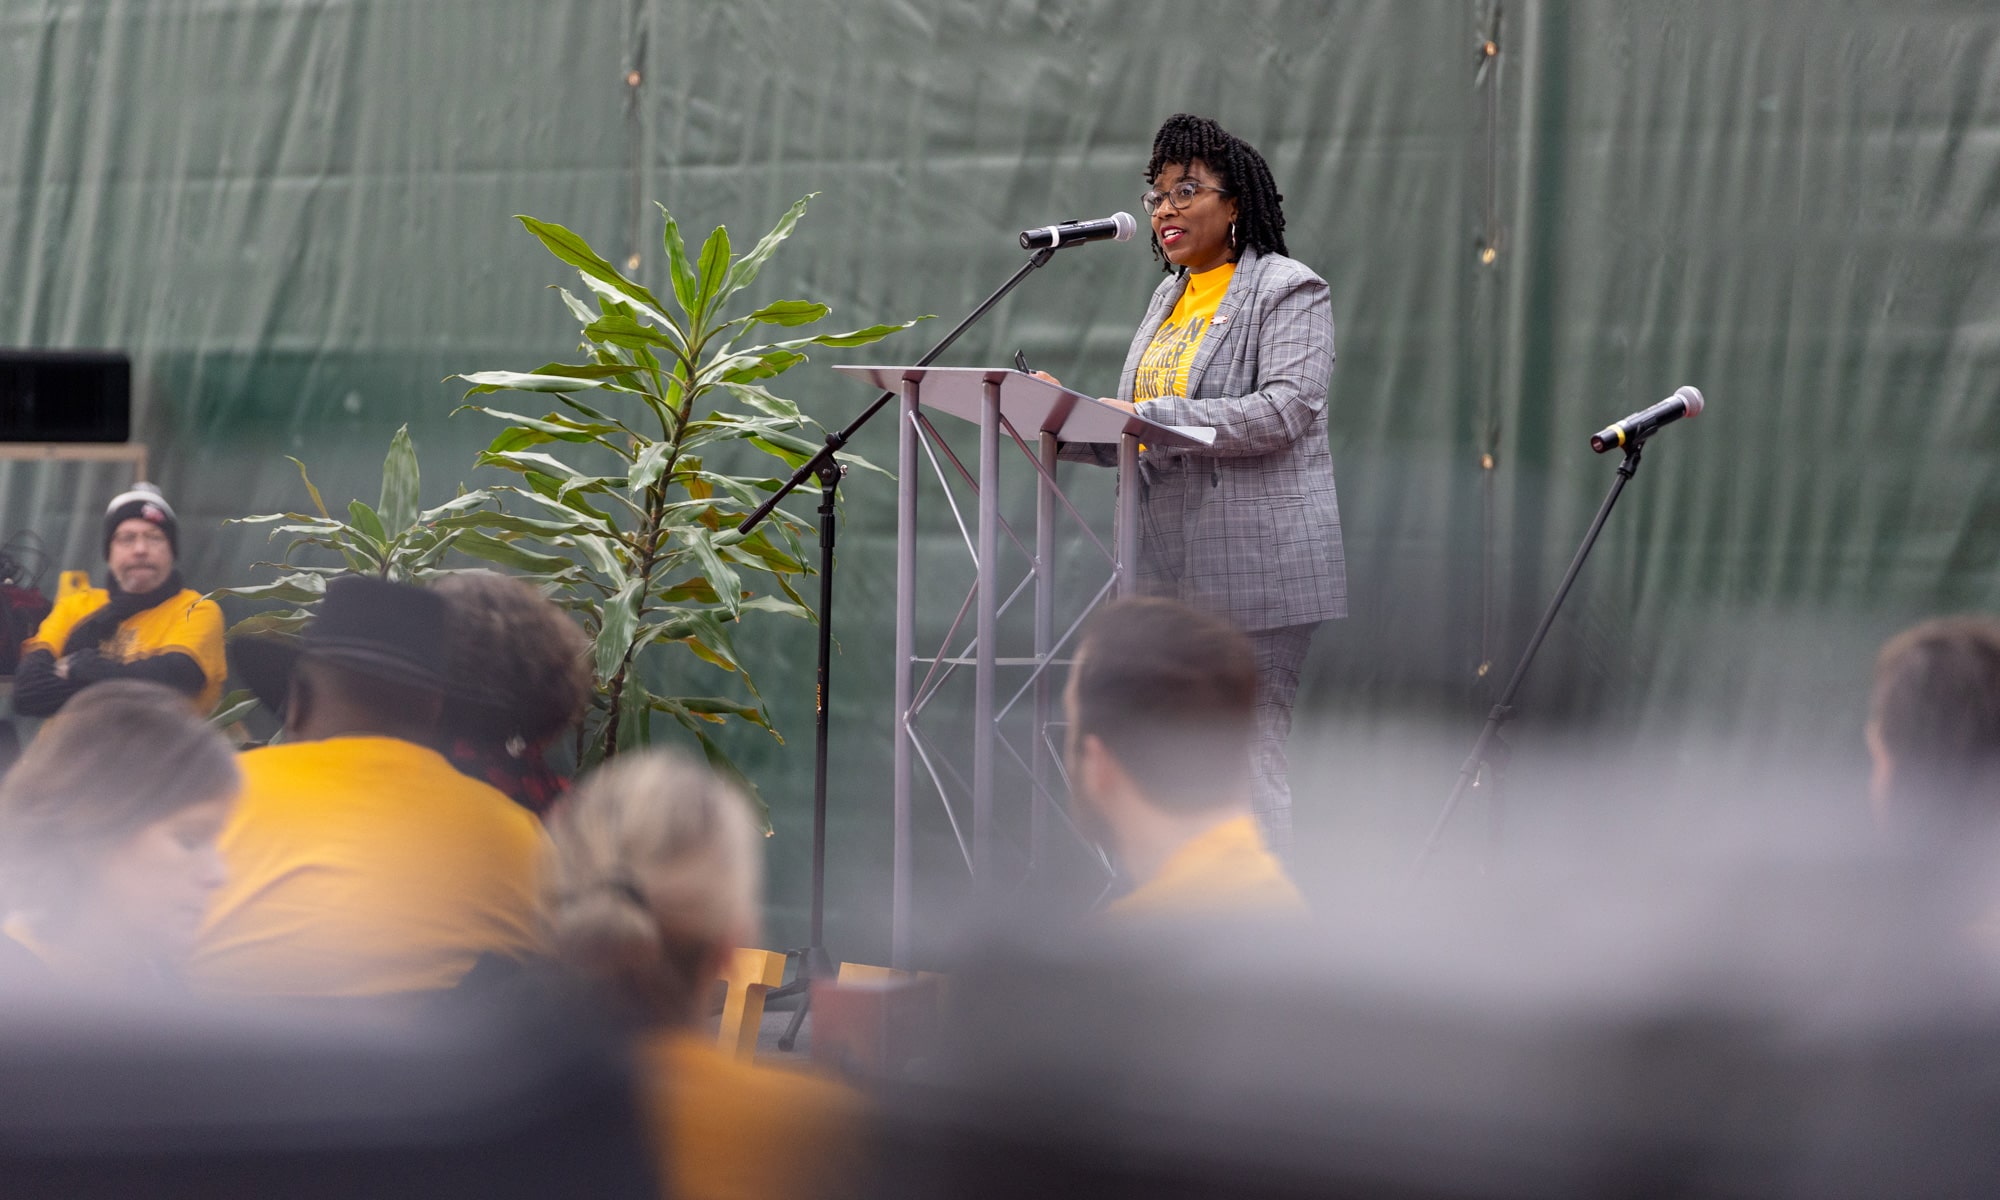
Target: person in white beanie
{"type": "Point", "coordinates": [144, 624]}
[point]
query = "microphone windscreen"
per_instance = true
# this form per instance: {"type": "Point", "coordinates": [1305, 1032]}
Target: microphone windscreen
{"type": "Point", "coordinates": [1692, 395]}
{"type": "Point", "coordinates": [1127, 227]}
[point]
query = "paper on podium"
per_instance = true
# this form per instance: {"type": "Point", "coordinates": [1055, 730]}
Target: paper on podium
{"type": "Point", "coordinates": [1031, 405]}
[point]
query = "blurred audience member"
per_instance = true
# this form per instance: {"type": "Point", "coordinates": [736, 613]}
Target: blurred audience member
{"type": "Point", "coordinates": [143, 625]}
{"type": "Point", "coordinates": [108, 827]}
{"type": "Point", "coordinates": [1934, 726]}
{"type": "Point", "coordinates": [520, 677]}
{"type": "Point", "coordinates": [361, 863]}
{"type": "Point", "coordinates": [1162, 704]}
{"type": "Point", "coordinates": [654, 880]}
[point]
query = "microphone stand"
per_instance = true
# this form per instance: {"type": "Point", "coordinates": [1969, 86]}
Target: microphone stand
{"type": "Point", "coordinates": [814, 962]}
{"type": "Point", "coordinates": [1491, 752]}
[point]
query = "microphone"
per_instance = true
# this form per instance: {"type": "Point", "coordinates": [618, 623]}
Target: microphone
{"type": "Point", "coordinates": [1686, 402]}
{"type": "Point", "coordinates": [1118, 227]}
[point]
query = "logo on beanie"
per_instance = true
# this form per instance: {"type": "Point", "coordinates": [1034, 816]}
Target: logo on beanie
{"type": "Point", "coordinates": [154, 513]}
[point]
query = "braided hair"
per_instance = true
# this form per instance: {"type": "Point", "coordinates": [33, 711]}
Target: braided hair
{"type": "Point", "coordinates": [1242, 172]}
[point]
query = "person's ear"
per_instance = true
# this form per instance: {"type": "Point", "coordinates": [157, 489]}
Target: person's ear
{"type": "Point", "coordinates": [298, 702]}
{"type": "Point", "coordinates": [1103, 774]}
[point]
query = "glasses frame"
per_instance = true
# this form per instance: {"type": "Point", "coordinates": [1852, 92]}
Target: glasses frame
{"type": "Point", "coordinates": [1152, 206]}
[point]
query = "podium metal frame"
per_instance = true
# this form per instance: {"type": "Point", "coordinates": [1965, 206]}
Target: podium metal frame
{"type": "Point", "coordinates": [1005, 406]}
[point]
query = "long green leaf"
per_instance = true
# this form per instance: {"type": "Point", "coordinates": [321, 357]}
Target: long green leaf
{"type": "Point", "coordinates": [457, 504]}
{"type": "Point", "coordinates": [614, 633]}
{"type": "Point", "coordinates": [685, 286]}
{"type": "Point", "coordinates": [621, 329]}
{"type": "Point", "coordinates": [719, 707]}
{"type": "Point", "coordinates": [640, 308]}
{"type": "Point", "coordinates": [605, 554]}
{"type": "Point", "coordinates": [400, 483]}
{"type": "Point", "coordinates": [525, 381]}
{"type": "Point", "coordinates": [527, 461]}
{"type": "Point", "coordinates": [598, 523]}
{"type": "Point", "coordinates": [746, 268]}
{"type": "Point", "coordinates": [711, 273]}
{"type": "Point", "coordinates": [511, 523]}
{"type": "Point", "coordinates": [635, 715]}
{"type": "Point", "coordinates": [742, 368]}
{"type": "Point", "coordinates": [553, 427]}
{"type": "Point", "coordinates": [853, 337]}
{"type": "Point", "coordinates": [233, 708]}
{"type": "Point", "coordinates": [312, 491]}
{"type": "Point", "coordinates": [577, 308]}
{"type": "Point", "coordinates": [297, 588]}
{"type": "Point", "coordinates": [492, 549]}
{"type": "Point", "coordinates": [789, 312]}
{"type": "Point", "coordinates": [723, 577]}
{"type": "Point", "coordinates": [649, 466]}
{"type": "Point", "coordinates": [368, 523]}
{"type": "Point", "coordinates": [764, 402]}
{"type": "Point", "coordinates": [772, 604]}
{"type": "Point", "coordinates": [270, 623]}
{"type": "Point", "coordinates": [573, 250]}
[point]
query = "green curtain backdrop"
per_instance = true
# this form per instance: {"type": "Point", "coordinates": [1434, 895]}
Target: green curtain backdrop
{"type": "Point", "coordinates": [296, 216]}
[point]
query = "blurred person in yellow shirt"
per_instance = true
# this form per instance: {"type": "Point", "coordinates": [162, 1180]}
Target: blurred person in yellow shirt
{"type": "Point", "coordinates": [1161, 704]}
{"type": "Point", "coordinates": [361, 863]}
{"type": "Point", "coordinates": [143, 625]}
{"type": "Point", "coordinates": [108, 828]}
{"type": "Point", "coordinates": [653, 881]}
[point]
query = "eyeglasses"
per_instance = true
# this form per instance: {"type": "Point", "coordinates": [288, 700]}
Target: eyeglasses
{"type": "Point", "coordinates": [1178, 196]}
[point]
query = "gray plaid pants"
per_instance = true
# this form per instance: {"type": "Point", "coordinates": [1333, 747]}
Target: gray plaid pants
{"type": "Point", "coordinates": [1281, 653]}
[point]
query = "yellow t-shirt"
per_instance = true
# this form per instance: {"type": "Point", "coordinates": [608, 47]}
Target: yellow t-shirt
{"type": "Point", "coordinates": [1164, 367]}
{"type": "Point", "coordinates": [1227, 870]}
{"type": "Point", "coordinates": [725, 1129]}
{"type": "Point", "coordinates": [363, 866]}
{"type": "Point", "coordinates": [185, 624]}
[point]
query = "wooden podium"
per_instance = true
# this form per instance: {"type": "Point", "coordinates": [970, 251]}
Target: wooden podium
{"type": "Point", "coordinates": [1004, 406]}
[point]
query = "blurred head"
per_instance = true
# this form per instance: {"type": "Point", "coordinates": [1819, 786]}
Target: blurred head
{"type": "Point", "coordinates": [108, 822]}
{"type": "Point", "coordinates": [524, 658]}
{"type": "Point", "coordinates": [653, 879]}
{"type": "Point", "coordinates": [1934, 723]}
{"type": "Point", "coordinates": [1161, 706]}
{"type": "Point", "coordinates": [141, 535]}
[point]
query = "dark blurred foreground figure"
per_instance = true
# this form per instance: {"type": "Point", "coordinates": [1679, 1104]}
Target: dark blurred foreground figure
{"type": "Point", "coordinates": [1934, 725]}
{"type": "Point", "coordinates": [1162, 709]}
{"type": "Point", "coordinates": [520, 678]}
{"type": "Point", "coordinates": [143, 625]}
{"type": "Point", "coordinates": [108, 826]}
{"type": "Point", "coordinates": [653, 881]}
{"type": "Point", "coordinates": [178, 1101]}
{"type": "Point", "coordinates": [361, 863]}
{"type": "Point", "coordinates": [1775, 1029]}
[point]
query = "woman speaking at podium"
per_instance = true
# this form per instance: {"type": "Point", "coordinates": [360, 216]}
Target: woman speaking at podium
{"type": "Point", "coordinates": [1240, 338]}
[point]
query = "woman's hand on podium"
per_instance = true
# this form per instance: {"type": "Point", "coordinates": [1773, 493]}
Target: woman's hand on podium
{"type": "Point", "coordinates": [1113, 401]}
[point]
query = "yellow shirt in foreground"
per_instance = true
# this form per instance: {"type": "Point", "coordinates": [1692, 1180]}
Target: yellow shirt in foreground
{"type": "Point", "coordinates": [726, 1129]}
{"type": "Point", "coordinates": [185, 624]}
{"type": "Point", "coordinates": [362, 866]}
{"type": "Point", "coordinates": [1164, 367]}
{"type": "Point", "coordinates": [1227, 870]}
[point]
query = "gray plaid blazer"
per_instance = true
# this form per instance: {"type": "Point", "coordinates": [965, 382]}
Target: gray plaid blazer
{"type": "Point", "coordinates": [1251, 528]}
